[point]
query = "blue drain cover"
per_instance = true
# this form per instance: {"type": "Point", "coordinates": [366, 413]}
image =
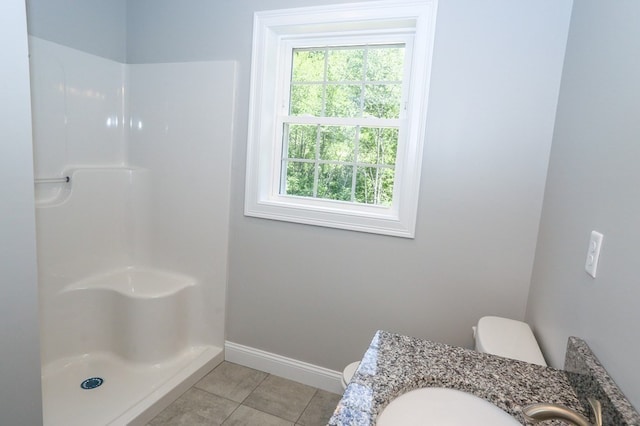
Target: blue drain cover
{"type": "Point", "coordinates": [91, 383]}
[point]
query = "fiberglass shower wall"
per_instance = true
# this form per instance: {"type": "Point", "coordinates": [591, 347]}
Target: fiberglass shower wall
{"type": "Point", "coordinates": [165, 130]}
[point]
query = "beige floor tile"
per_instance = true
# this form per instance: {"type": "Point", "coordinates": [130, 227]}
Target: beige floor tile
{"type": "Point", "coordinates": [247, 416]}
{"type": "Point", "coordinates": [196, 407]}
{"type": "Point", "coordinates": [231, 381]}
{"type": "Point", "coordinates": [281, 397]}
{"type": "Point", "coordinates": [180, 419]}
{"type": "Point", "coordinates": [320, 409]}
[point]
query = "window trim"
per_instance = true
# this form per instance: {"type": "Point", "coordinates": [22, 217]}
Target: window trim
{"type": "Point", "coordinates": [275, 31]}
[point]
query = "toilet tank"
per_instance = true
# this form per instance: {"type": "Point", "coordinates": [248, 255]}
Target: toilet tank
{"type": "Point", "coordinates": [507, 338]}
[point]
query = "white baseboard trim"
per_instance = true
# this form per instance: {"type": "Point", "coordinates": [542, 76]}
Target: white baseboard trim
{"type": "Point", "coordinates": [289, 368]}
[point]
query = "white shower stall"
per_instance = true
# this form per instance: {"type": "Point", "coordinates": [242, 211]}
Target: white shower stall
{"type": "Point", "coordinates": [132, 166]}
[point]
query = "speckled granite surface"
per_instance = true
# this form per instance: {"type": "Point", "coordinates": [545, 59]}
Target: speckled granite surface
{"type": "Point", "coordinates": [589, 378]}
{"type": "Point", "coordinates": [396, 364]}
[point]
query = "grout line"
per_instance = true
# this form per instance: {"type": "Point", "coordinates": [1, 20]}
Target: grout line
{"type": "Point", "coordinates": [230, 414]}
{"type": "Point", "coordinates": [306, 406]}
{"type": "Point", "coordinates": [256, 387]}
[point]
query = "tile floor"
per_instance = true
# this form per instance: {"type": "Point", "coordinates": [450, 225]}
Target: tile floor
{"type": "Point", "coordinates": [235, 395]}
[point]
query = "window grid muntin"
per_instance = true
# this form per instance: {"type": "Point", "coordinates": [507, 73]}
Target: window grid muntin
{"type": "Point", "coordinates": [362, 83]}
{"type": "Point", "coordinates": [317, 162]}
{"type": "Point", "coordinates": [359, 121]}
{"type": "Point", "coordinates": [355, 168]}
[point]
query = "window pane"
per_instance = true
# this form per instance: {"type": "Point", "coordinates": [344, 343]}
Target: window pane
{"type": "Point", "coordinates": [374, 185]}
{"type": "Point", "coordinates": [345, 65]}
{"type": "Point", "coordinates": [308, 65]}
{"type": "Point", "coordinates": [343, 101]}
{"type": "Point", "coordinates": [378, 145]}
{"type": "Point", "coordinates": [306, 99]}
{"type": "Point", "coordinates": [337, 143]}
{"type": "Point", "coordinates": [347, 82]}
{"type": "Point", "coordinates": [334, 182]}
{"type": "Point", "coordinates": [385, 63]}
{"type": "Point", "coordinates": [299, 178]}
{"type": "Point", "coordinates": [301, 141]}
{"type": "Point", "coordinates": [382, 100]}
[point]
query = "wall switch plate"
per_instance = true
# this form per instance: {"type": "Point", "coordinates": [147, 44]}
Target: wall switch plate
{"type": "Point", "coordinates": [593, 254]}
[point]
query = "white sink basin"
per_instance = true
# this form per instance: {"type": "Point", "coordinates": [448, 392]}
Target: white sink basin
{"type": "Point", "coordinates": [442, 407]}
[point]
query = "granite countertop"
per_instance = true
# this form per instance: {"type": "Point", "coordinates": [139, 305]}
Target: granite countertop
{"type": "Point", "coordinates": [396, 364]}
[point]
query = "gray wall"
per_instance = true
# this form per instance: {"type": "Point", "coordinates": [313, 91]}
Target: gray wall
{"type": "Point", "coordinates": [20, 392]}
{"type": "Point", "coordinates": [192, 30]}
{"type": "Point", "coordinates": [93, 26]}
{"type": "Point", "coordinates": [317, 294]}
{"type": "Point", "coordinates": [594, 183]}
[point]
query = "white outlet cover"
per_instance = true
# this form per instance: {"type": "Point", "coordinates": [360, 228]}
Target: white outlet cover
{"type": "Point", "coordinates": [593, 253]}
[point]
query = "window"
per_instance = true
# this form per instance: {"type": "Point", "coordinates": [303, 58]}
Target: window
{"type": "Point", "coordinates": [337, 116]}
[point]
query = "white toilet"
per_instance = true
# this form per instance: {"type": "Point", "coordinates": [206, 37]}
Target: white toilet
{"type": "Point", "coordinates": [493, 335]}
{"type": "Point", "coordinates": [508, 338]}
{"type": "Point", "coordinates": [348, 373]}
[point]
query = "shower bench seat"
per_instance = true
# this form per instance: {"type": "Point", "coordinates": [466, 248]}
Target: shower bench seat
{"type": "Point", "coordinates": [137, 282]}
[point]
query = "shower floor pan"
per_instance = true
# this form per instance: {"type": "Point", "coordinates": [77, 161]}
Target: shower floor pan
{"type": "Point", "coordinates": [134, 329]}
{"type": "Point", "coordinates": [131, 394]}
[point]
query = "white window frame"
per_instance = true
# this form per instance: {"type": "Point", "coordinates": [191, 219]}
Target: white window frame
{"type": "Point", "coordinates": [275, 33]}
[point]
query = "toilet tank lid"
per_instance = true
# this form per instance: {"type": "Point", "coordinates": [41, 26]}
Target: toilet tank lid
{"type": "Point", "coordinates": [508, 338]}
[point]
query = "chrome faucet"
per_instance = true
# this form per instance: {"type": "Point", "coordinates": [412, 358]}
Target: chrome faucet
{"type": "Point", "coordinates": [540, 412]}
